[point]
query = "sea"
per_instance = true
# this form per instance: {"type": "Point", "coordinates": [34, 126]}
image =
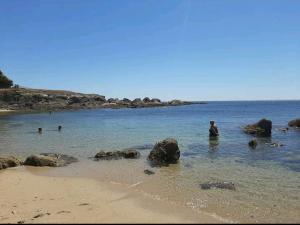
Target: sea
{"type": "Point", "coordinates": [267, 179]}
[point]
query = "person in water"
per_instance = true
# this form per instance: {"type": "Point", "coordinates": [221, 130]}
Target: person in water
{"type": "Point", "coordinates": [213, 130]}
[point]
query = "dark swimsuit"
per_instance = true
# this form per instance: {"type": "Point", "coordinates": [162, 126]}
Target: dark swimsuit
{"type": "Point", "coordinates": [213, 131]}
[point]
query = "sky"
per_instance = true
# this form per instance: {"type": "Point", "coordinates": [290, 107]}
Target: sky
{"type": "Point", "coordinates": [170, 49]}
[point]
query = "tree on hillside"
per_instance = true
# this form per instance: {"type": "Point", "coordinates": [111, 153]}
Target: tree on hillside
{"type": "Point", "coordinates": [4, 81]}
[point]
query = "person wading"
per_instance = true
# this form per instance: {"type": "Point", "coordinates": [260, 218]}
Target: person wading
{"type": "Point", "coordinates": [213, 130]}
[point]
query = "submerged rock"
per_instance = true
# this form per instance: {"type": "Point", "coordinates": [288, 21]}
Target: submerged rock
{"type": "Point", "coordinates": [165, 152]}
{"type": "Point", "coordinates": [252, 143]}
{"type": "Point", "coordinates": [275, 144]}
{"type": "Point", "coordinates": [149, 172]}
{"type": "Point", "coordinates": [284, 129]}
{"type": "Point", "coordinates": [50, 159]}
{"type": "Point", "coordinates": [220, 185]}
{"type": "Point", "coordinates": [6, 162]}
{"type": "Point", "coordinates": [261, 128]}
{"type": "Point", "coordinates": [127, 154]}
{"type": "Point", "coordinates": [294, 123]}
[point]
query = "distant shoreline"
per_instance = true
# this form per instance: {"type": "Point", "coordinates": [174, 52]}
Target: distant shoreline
{"type": "Point", "coordinates": [23, 100]}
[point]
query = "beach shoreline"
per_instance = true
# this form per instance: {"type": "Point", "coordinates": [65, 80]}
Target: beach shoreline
{"type": "Point", "coordinates": [30, 198]}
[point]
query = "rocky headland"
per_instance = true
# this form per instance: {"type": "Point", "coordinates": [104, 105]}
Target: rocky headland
{"type": "Point", "coordinates": [25, 99]}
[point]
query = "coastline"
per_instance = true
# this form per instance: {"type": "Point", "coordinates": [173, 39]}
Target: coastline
{"type": "Point", "coordinates": [82, 200]}
{"type": "Point", "coordinates": [39, 100]}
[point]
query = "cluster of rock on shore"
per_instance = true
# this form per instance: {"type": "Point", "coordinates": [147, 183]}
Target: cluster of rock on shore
{"type": "Point", "coordinates": [44, 100]}
{"type": "Point", "coordinates": [263, 128]}
{"type": "Point", "coordinates": [162, 154]}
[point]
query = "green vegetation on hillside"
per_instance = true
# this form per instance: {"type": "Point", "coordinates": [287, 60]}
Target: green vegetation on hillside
{"type": "Point", "coordinates": [5, 82]}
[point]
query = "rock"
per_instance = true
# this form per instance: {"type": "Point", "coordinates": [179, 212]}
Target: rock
{"type": "Point", "coordinates": [49, 159]}
{"type": "Point", "coordinates": [284, 129]}
{"type": "Point", "coordinates": [252, 143]}
{"type": "Point", "coordinates": [155, 100]}
{"type": "Point", "coordinates": [175, 102]}
{"type": "Point", "coordinates": [137, 101]}
{"type": "Point", "coordinates": [99, 98]}
{"type": "Point", "coordinates": [294, 123]}
{"type": "Point", "coordinates": [128, 154]}
{"type": "Point", "coordinates": [220, 185]}
{"type": "Point", "coordinates": [74, 99]}
{"type": "Point", "coordinates": [261, 128]}
{"type": "Point", "coordinates": [146, 100]}
{"type": "Point", "coordinates": [6, 162]}
{"type": "Point", "coordinates": [149, 172]}
{"type": "Point", "coordinates": [131, 154]}
{"type": "Point", "coordinates": [113, 100]}
{"type": "Point", "coordinates": [275, 144]}
{"type": "Point", "coordinates": [165, 152]}
{"type": "Point", "coordinates": [126, 100]}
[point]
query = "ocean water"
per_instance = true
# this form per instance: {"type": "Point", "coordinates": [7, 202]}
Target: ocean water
{"type": "Point", "coordinates": [267, 179]}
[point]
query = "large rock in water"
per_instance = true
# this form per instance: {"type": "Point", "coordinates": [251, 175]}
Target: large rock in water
{"type": "Point", "coordinates": [49, 159]}
{"type": "Point", "coordinates": [261, 128]}
{"type": "Point", "coordinates": [294, 123]}
{"type": "Point", "coordinates": [6, 162]}
{"type": "Point", "coordinates": [127, 154]}
{"type": "Point", "coordinates": [165, 152]}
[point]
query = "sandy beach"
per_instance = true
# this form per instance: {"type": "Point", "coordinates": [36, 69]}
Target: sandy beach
{"type": "Point", "coordinates": [29, 198]}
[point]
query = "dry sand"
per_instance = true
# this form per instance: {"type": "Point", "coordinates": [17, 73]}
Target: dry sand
{"type": "Point", "coordinates": [29, 198]}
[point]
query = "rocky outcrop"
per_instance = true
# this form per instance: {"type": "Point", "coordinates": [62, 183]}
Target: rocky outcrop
{"type": "Point", "coordinates": [50, 159]}
{"type": "Point", "coordinates": [261, 128]}
{"type": "Point", "coordinates": [127, 154]}
{"type": "Point", "coordinates": [6, 162]}
{"type": "Point", "coordinates": [164, 152]}
{"type": "Point", "coordinates": [49, 100]}
{"type": "Point", "coordinates": [294, 123]}
{"type": "Point", "coordinates": [220, 185]}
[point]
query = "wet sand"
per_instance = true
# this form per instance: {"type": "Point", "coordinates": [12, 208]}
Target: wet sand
{"type": "Point", "coordinates": [29, 198]}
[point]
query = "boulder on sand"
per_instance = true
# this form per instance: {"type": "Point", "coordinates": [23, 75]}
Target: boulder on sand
{"type": "Point", "coordinates": [165, 152]}
{"type": "Point", "coordinates": [6, 162]}
{"type": "Point", "coordinates": [50, 159]}
{"type": "Point", "coordinates": [294, 123]}
{"type": "Point", "coordinates": [261, 128]}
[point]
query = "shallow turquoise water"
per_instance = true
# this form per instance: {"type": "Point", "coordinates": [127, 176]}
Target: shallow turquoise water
{"type": "Point", "coordinates": [267, 179]}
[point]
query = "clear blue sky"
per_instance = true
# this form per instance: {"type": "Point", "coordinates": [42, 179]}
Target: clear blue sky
{"type": "Point", "coordinates": [193, 50]}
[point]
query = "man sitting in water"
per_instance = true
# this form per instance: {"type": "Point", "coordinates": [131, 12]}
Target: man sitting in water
{"type": "Point", "coordinates": [213, 130]}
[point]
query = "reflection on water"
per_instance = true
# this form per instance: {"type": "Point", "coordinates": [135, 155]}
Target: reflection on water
{"type": "Point", "coordinates": [213, 143]}
{"type": "Point", "coordinates": [267, 179]}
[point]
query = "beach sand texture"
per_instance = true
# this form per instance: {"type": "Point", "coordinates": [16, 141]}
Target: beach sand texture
{"type": "Point", "coordinates": [29, 198]}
